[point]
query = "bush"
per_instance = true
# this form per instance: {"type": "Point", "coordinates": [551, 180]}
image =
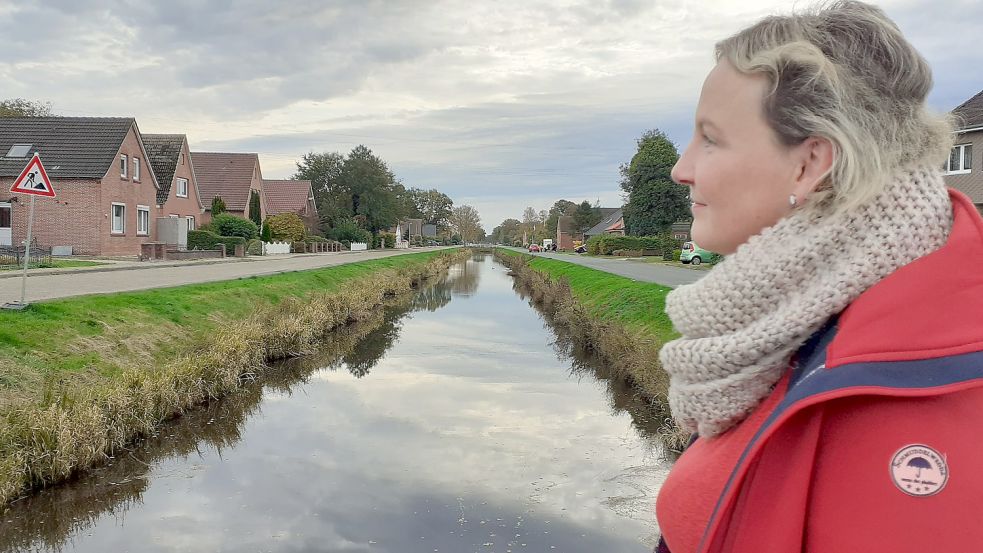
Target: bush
{"type": "Point", "coordinates": [255, 247]}
{"type": "Point", "coordinates": [675, 255]}
{"type": "Point", "coordinates": [313, 238]}
{"type": "Point", "coordinates": [206, 240]}
{"type": "Point", "coordinates": [346, 232]}
{"type": "Point", "coordinates": [388, 239]}
{"type": "Point", "coordinates": [230, 225]}
{"type": "Point", "coordinates": [286, 227]}
{"type": "Point", "coordinates": [265, 235]}
{"type": "Point", "coordinates": [606, 244]}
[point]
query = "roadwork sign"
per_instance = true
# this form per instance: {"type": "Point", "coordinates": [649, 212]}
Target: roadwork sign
{"type": "Point", "coordinates": [34, 180]}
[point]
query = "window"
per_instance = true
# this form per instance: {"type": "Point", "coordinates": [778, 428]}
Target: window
{"type": "Point", "coordinates": [960, 159]}
{"type": "Point", "coordinates": [182, 159]}
{"type": "Point", "coordinates": [191, 223]}
{"type": "Point", "coordinates": [182, 188]}
{"type": "Point", "coordinates": [143, 220]}
{"type": "Point", "coordinates": [122, 165]}
{"type": "Point", "coordinates": [136, 168]}
{"type": "Point", "coordinates": [119, 218]}
{"type": "Point", "coordinates": [19, 150]}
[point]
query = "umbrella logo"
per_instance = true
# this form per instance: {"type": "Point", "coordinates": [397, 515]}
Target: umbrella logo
{"type": "Point", "coordinates": [919, 470]}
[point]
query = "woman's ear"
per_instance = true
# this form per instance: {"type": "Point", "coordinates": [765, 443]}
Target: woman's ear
{"type": "Point", "coordinates": [816, 156]}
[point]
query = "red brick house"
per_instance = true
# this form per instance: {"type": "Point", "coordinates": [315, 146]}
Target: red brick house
{"type": "Point", "coordinates": [178, 193]}
{"type": "Point", "coordinates": [292, 196]}
{"type": "Point", "coordinates": [98, 166]}
{"type": "Point", "coordinates": [231, 176]}
{"type": "Point", "coordinates": [963, 168]}
{"type": "Point", "coordinates": [612, 222]}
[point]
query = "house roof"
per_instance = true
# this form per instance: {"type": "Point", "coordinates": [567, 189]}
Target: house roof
{"type": "Point", "coordinates": [163, 151]}
{"type": "Point", "coordinates": [286, 196]}
{"type": "Point", "coordinates": [225, 175]}
{"type": "Point", "coordinates": [969, 114]}
{"type": "Point", "coordinates": [70, 147]}
{"type": "Point", "coordinates": [609, 216]}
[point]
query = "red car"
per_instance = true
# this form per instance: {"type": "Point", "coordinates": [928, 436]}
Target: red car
{"type": "Point", "coordinates": [533, 247]}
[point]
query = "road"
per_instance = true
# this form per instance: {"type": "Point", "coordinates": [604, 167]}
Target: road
{"type": "Point", "coordinates": [635, 270]}
{"type": "Point", "coordinates": [142, 276]}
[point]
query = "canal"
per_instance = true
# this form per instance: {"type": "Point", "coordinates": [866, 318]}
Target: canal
{"type": "Point", "coordinates": [456, 421]}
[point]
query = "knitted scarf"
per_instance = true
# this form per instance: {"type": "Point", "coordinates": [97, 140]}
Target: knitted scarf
{"type": "Point", "coordinates": [742, 322]}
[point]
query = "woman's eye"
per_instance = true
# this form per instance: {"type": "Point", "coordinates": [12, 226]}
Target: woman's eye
{"type": "Point", "coordinates": [707, 140]}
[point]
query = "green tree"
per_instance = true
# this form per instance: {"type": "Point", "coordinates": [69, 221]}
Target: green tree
{"type": "Point", "coordinates": [218, 206]}
{"type": "Point", "coordinates": [432, 206]}
{"type": "Point", "coordinates": [287, 227]}
{"type": "Point", "coordinates": [19, 107]}
{"type": "Point", "coordinates": [255, 213]}
{"type": "Point", "coordinates": [324, 172]}
{"type": "Point", "coordinates": [586, 216]}
{"type": "Point", "coordinates": [561, 207]}
{"type": "Point", "coordinates": [226, 224]}
{"type": "Point", "coordinates": [508, 232]}
{"type": "Point", "coordinates": [654, 201]}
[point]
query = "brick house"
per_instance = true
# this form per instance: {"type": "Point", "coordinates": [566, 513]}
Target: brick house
{"type": "Point", "coordinates": [292, 196]}
{"type": "Point", "coordinates": [566, 234]}
{"type": "Point", "coordinates": [233, 177]}
{"type": "Point", "coordinates": [98, 168]}
{"type": "Point", "coordinates": [612, 222]}
{"type": "Point", "coordinates": [963, 168]}
{"type": "Point", "coordinates": [178, 193]}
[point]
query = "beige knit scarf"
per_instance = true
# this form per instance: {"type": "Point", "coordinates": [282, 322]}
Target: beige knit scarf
{"type": "Point", "coordinates": [742, 322]}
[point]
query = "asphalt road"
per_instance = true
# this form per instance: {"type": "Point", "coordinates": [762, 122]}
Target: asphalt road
{"type": "Point", "coordinates": [142, 276]}
{"type": "Point", "coordinates": [635, 270]}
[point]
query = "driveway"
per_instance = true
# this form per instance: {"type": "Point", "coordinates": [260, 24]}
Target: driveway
{"type": "Point", "coordinates": [127, 276]}
{"type": "Point", "coordinates": [635, 270]}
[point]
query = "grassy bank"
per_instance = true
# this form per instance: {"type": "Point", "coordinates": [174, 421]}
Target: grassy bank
{"type": "Point", "coordinates": [82, 377]}
{"type": "Point", "coordinates": [622, 320]}
{"type": "Point", "coordinates": [53, 264]}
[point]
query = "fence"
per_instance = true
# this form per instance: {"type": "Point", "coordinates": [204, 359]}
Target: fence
{"type": "Point", "coordinates": [14, 255]}
{"type": "Point", "coordinates": [359, 246]}
{"type": "Point", "coordinates": [274, 248]}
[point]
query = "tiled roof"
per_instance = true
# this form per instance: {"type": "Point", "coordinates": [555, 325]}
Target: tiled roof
{"type": "Point", "coordinates": [286, 196]}
{"type": "Point", "coordinates": [70, 147]}
{"type": "Point", "coordinates": [225, 175]}
{"type": "Point", "coordinates": [969, 114]}
{"type": "Point", "coordinates": [609, 216]}
{"type": "Point", "coordinates": [163, 151]}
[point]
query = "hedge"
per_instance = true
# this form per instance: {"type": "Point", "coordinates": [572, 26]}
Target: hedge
{"type": "Point", "coordinates": [606, 244]}
{"type": "Point", "coordinates": [205, 240]}
{"type": "Point", "coordinates": [230, 225]}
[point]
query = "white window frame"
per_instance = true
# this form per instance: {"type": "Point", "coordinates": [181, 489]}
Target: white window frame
{"type": "Point", "coordinates": [191, 222]}
{"type": "Point", "coordinates": [962, 160]}
{"type": "Point", "coordinates": [178, 191]}
{"type": "Point", "coordinates": [140, 210]}
{"type": "Point", "coordinates": [136, 169]}
{"type": "Point", "coordinates": [122, 166]}
{"type": "Point", "coordinates": [112, 219]}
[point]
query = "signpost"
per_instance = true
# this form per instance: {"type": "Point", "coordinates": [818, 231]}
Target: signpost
{"type": "Point", "coordinates": [33, 180]}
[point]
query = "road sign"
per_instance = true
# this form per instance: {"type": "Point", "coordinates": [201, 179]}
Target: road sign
{"type": "Point", "coordinates": [34, 180]}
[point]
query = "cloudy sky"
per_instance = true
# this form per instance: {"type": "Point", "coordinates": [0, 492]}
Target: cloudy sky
{"type": "Point", "coordinates": [499, 104]}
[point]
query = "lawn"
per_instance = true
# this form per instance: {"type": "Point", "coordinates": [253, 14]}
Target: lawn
{"type": "Point", "coordinates": [53, 264]}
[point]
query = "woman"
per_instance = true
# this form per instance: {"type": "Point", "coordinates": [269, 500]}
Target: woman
{"type": "Point", "coordinates": [832, 365]}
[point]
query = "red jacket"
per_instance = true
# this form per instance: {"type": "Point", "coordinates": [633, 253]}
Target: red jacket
{"type": "Point", "coordinates": [877, 444]}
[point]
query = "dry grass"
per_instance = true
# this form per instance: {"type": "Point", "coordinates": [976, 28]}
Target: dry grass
{"type": "Point", "coordinates": [632, 354]}
{"type": "Point", "coordinates": [71, 426]}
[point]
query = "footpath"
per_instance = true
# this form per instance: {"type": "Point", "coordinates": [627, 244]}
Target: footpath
{"type": "Point", "coordinates": [123, 276]}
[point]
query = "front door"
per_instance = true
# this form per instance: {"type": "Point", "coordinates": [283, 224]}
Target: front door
{"type": "Point", "coordinates": [5, 224]}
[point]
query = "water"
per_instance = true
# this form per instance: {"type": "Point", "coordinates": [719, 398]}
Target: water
{"type": "Point", "coordinates": [457, 421]}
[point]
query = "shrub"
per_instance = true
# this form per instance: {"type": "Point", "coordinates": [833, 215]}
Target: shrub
{"type": "Point", "coordinates": [254, 209]}
{"type": "Point", "coordinates": [218, 206]}
{"type": "Point", "coordinates": [286, 227]}
{"type": "Point", "coordinates": [347, 231]}
{"type": "Point", "coordinates": [376, 241]}
{"type": "Point", "coordinates": [265, 235]}
{"type": "Point", "coordinates": [388, 239]}
{"type": "Point", "coordinates": [313, 238]}
{"type": "Point", "coordinates": [206, 240]}
{"type": "Point", "coordinates": [255, 247]}
{"type": "Point", "coordinates": [606, 244]}
{"type": "Point", "coordinates": [230, 225]}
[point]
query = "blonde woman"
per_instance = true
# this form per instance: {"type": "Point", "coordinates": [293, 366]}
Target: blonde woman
{"type": "Point", "coordinates": [832, 365]}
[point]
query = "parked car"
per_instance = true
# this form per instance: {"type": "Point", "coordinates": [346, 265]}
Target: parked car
{"type": "Point", "coordinates": [533, 247]}
{"type": "Point", "coordinates": [693, 254]}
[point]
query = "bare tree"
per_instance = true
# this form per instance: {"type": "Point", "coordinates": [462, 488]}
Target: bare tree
{"type": "Point", "coordinates": [466, 222]}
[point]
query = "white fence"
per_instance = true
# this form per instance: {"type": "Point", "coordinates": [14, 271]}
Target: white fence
{"type": "Point", "coordinates": [274, 248]}
{"type": "Point", "coordinates": [402, 245]}
{"type": "Point", "coordinates": [359, 246]}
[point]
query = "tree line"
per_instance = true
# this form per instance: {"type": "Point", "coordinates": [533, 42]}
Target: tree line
{"type": "Point", "coordinates": [652, 201]}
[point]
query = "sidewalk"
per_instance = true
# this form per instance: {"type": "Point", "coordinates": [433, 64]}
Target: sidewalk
{"type": "Point", "coordinates": [124, 276]}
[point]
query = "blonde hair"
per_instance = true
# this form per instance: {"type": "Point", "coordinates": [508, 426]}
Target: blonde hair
{"type": "Point", "coordinates": [843, 71]}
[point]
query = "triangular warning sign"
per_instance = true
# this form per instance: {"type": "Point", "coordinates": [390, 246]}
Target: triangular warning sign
{"type": "Point", "coordinates": [34, 180]}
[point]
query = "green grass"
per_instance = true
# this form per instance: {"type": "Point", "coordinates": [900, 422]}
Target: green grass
{"type": "Point", "coordinates": [53, 264]}
{"type": "Point", "coordinates": [639, 306]}
{"type": "Point", "coordinates": [103, 333]}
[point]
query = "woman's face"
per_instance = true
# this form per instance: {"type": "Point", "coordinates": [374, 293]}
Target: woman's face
{"type": "Point", "coordinates": [740, 175]}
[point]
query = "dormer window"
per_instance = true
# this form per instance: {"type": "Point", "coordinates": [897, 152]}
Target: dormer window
{"type": "Point", "coordinates": [19, 150]}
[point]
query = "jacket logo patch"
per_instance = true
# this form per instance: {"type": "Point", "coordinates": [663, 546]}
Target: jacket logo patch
{"type": "Point", "coordinates": [919, 470]}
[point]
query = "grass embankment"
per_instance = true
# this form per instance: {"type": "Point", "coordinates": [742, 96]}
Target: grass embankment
{"type": "Point", "coordinates": [82, 377]}
{"type": "Point", "coordinates": [622, 320]}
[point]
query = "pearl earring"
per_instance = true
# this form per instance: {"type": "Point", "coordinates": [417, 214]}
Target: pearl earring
{"type": "Point", "coordinates": [792, 201]}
